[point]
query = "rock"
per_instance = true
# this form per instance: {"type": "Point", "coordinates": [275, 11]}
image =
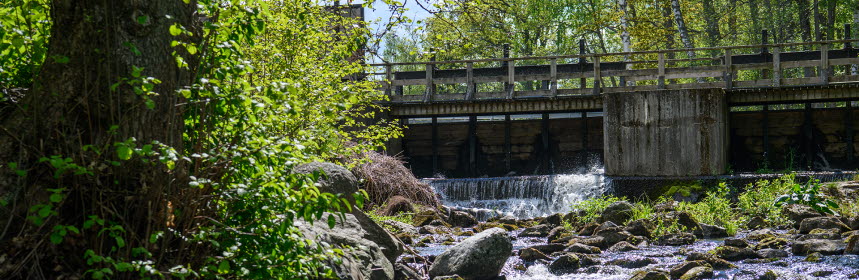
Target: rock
{"type": "Point", "coordinates": [588, 229]}
{"type": "Point", "coordinates": [439, 223]}
{"type": "Point", "coordinates": [612, 235]}
{"type": "Point", "coordinates": [567, 263]}
{"type": "Point", "coordinates": [814, 257]}
{"type": "Point", "coordinates": [536, 231]}
{"type": "Point", "coordinates": [711, 259]}
{"type": "Point", "coordinates": [478, 257]}
{"type": "Point", "coordinates": [769, 275]}
{"type": "Point", "coordinates": [667, 206]}
{"type": "Point", "coordinates": [640, 227]}
{"type": "Point", "coordinates": [711, 231]}
{"type": "Point", "coordinates": [771, 243]}
{"type": "Point", "coordinates": [734, 253]}
{"type": "Point", "coordinates": [773, 253]}
{"type": "Point", "coordinates": [696, 273]}
{"type": "Point", "coordinates": [852, 222]}
{"type": "Point", "coordinates": [400, 227]}
{"type": "Point", "coordinates": [736, 242]}
{"type": "Point", "coordinates": [397, 204]}
{"type": "Point", "coordinates": [852, 245]}
{"type": "Point", "coordinates": [451, 277]}
{"type": "Point", "coordinates": [685, 219]}
{"type": "Point", "coordinates": [461, 219]}
{"type": "Point", "coordinates": [681, 268]}
{"type": "Point", "coordinates": [822, 273]}
{"type": "Point", "coordinates": [632, 262]}
{"type": "Point", "coordinates": [676, 239]}
{"type": "Point", "coordinates": [426, 217]}
{"type": "Point", "coordinates": [582, 248]}
{"type": "Point", "coordinates": [369, 250]}
{"type": "Point", "coordinates": [798, 212]}
{"type": "Point", "coordinates": [809, 224]}
{"type": "Point", "coordinates": [823, 246]}
{"type": "Point", "coordinates": [335, 179]}
{"type": "Point", "coordinates": [548, 249]}
{"type": "Point", "coordinates": [405, 272]}
{"type": "Point", "coordinates": [617, 212]}
{"type": "Point", "coordinates": [531, 254]}
{"type": "Point", "coordinates": [650, 275]}
{"type": "Point", "coordinates": [761, 234]}
{"type": "Point", "coordinates": [570, 262]}
{"type": "Point", "coordinates": [556, 233]}
{"type": "Point", "coordinates": [596, 241]}
{"type": "Point", "coordinates": [622, 246]}
{"type": "Point", "coordinates": [405, 238]}
{"type": "Point", "coordinates": [553, 220]}
{"type": "Point", "coordinates": [757, 223]}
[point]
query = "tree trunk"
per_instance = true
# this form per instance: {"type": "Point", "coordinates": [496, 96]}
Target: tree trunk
{"type": "Point", "coordinates": [712, 20]}
{"type": "Point", "coordinates": [805, 27]}
{"type": "Point", "coordinates": [818, 19]}
{"type": "Point", "coordinates": [72, 105]}
{"type": "Point", "coordinates": [831, 6]}
{"type": "Point", "coordinates": [624, 34]}
{"type": "Point", "coordinates": [756, 24]}
{"type": "Point", "coordinates": [681, 28]}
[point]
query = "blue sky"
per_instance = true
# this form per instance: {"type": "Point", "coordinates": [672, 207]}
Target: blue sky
{"type": "Point", "coordinates": [379, 15]}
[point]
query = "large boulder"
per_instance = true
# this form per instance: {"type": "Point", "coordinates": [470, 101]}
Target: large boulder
{"type": "Point", "coordinates": [640, 227]}
{"type": "Point", "coordinates": [650, 275]}
{"type": "Point", "coordinates": [462, 219]}
{"type": "Point", "coordinates": [369, 250]}
{"type": "Point", "coordinates": [478, 257]}
{"type": "Point", "coordinates": [541, 230]}
{"type": "Point", "coordinates": [681, 268]}
{"type": "Point", "coordinates": [676, 239]}
{"type": "Point", "coordinates": [809, 224]}
{"type": "Point", "coordinates": [798, 212]}
{"type": "Point", "coordinates": [822, 246]}
{"type": "Point", "coordinates": [570, 262]}
{"type": "Point", "coordinates": [617, 212]}
{"type": "Point", "coordinates": [333, 178]}
{"type": "Point", "coordinates": [732, 253]}
{"type": "Point", "coordinates": [852, 245]}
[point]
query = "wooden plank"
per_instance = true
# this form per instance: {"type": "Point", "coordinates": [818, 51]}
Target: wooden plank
{"type": "Point", "coordinates": [508, 157]}
{"type": "Point", "coordinates": [695, 85]}
{"type": "Point", "coordinates": [776, 67]}
{"type": "Point", "coordinates": [823, 71]}
{"type": "Point", "coordinates": [752, 66]}
{"type": "Point", "coordinates": [661, 73]}
{"type": "Point", "coordinates": [799, 64]}
{"type": "Point", "coordinates": [800, 81]}
{"type": "Point", "coordinates": [844, 61]}
{"type": "Point", "coordinates": [553, 79]}
{"type": "Point", "coordinates": [430, 90]}
{"type": "Point", "coordinates": [597, 76]}
{"type": "Point", "coordinates": [844, 78]}
{"type": "Point", "coordinates": [470, 86]}
{"type": "Point", "coordinates": [388, 78]}
{"type": "Point", "coordinates": [472, 146]}
{"type": "Point", "coordinates": [546, 156]}
{"type": "Point", "coordinates": [435, 161]}
{"type": "Point", "coordinates": [511, 79]}
{"type": "Point", "coordinates": [728, 74]}
{"type": "Point", "coordinates": [848, 131]}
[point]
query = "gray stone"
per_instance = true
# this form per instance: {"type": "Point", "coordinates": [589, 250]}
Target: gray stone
{"type": "Point", "coordinates": [711, 231]}
{"type": "Point", "coordinates": [734, 253]}
{"type": "Point", "coordinates": [640, 227]}
{"type": "Point", "coordinates": [531, 254]}
{"type": "Point", "coordinates": [736, 242]}
{"type": "Point", "coordinates": [756, 223]}
{"type": "Point", "coordinates": [401, 227]}
{"type": "Point", "coordinates": [823, 246]}
{"type": "Point", "coordinates": [676, 239]}
{"type": "Point", "coordinates": [567, 263]}
{"type": "Point", "coordinates": [650, 275]}
{"type": "Point", "coordinates": [334, 178]}
{"type": "Point", "coordinates": [536, 231]}
{"type": "Point", "coordinates": [556, 233]}
{"type": "Point", "coordinates": [714, 261]}
{"type": "Point", "coordinates": [622, 246]}
{"type": "Point", "coordinates": [550, 248]}
{"type": "Point", "coordinates": [696, 273]}
{"type": "Point", "coordinates": [852, 245]}
{"type": "Point", "coordinates": [369, 250]}
{"type": "Point", "coordinates": [773, 253]}
{"type": "Point", "coordinates": [618, 212]}
{"type": "Point", "coordinates": [582, 248]}
{"type": "Point", "coordinates": [681, 268]}
{"type": "Point", "coordinates": [798, 212]}
{"type": "Point", "coordinates": [478, 257]}
{"type": "Point", "coordinates": [461, 219]}
{"type": "Point", "coordinates": [632, 262]}
{"type": "Point", "coordinates": [809, 224]}
{"type": "Point", "coordinates": [553, 220]}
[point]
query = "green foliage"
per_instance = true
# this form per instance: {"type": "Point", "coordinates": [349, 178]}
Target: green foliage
{"type": "Point", "coordinates": [684, 189]}
{"type": "Point", "coordinates": [665, 226]}
{"type": "Point", "coordinates": [715, 209]}
{"type": "Point", "coordinates": [849, 208]}
{"type": "Point", "coordinates": [758, 199]}
{"type": "Point", "coordinates": [406, 218]}
{"type": "Point", "coordinates": [593, 208]}
{"type": "Point", "coordinates": [808, 194]}
{"type": "Point", "coordinates": [24, 31]}
{"type": "Point", "coordinates": [642, 210]}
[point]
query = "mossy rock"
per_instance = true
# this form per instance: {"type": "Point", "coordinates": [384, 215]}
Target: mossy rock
{"type": "Point", "coordinates": [814, 257]}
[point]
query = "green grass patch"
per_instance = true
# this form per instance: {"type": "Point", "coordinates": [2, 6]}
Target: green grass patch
{"type": "Point", "coordinates": [593, 208]}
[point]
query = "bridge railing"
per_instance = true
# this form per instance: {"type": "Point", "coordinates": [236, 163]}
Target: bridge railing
{"type": "Point", "coordinates": [732, 67]}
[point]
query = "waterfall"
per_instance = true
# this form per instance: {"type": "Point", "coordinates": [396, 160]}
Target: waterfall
{"type": "Point", "coordinates": [521, 196]}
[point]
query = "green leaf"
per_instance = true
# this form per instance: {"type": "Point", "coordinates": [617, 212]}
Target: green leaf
{"type": "Point", "coordinates": [56, 238]}
{"type": "Point", "coordinates": [224, 267]}
{"type": "Point", "coordinates": [149, 103]}
{"type": "Point", "coordinates": [97, 275]}
{"type": "Point", "coordinates": [175, 30]}
{"type": "Point", "coordinates": [45, 211]}
{"type": "Point", "coordinates": [142, 19]}
{"type": "Point", "coordinates": [123, 152]}
{"type": "Point", "coordinates": [332, 221]}
{"type": "Point", "coordinates": [191, 48]}
{"type": "Point", "coordinates": [56, 197]}
{"type": "Point", "coordinates": [123, 267]}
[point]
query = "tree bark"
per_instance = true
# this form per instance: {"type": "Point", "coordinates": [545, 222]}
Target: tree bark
{"type": "Point", "coordinates": [681, 28]}
{"type": "Point", "coordinates": [72, 105]}
{"type": "Point", "coordinates": [818, 19]}
{"type": "Point", "coordinates": [712, 19]}
{"type": "Point", "coordinates": [805, 27]}
{"type": "Point", "coordinates": [624, 34]}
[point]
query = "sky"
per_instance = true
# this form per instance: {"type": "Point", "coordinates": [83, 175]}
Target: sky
{"type": "Point", "coordinates": [379, 15]}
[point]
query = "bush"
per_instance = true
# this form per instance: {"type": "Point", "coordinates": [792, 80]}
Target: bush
{"type": "Point", "coordinates": [592, 208]}
{"type": "Point", "coordinates": [809, 195]}
{"type": "Point", "coordinates": [715, 209]}
{"type": "Point", "coordinates": [758, 200]}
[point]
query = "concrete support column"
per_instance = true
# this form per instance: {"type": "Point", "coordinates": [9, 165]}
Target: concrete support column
{"type": "Point", "coordinates": [666, 133]}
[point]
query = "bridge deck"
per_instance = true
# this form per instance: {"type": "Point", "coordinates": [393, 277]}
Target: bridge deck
{"type": "Point", "coordinates": [774, 73]}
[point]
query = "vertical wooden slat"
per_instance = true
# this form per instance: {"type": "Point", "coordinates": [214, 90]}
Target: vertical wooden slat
{"type": "Point", "coordinates": [808, 134]}
{"type": "Point", "coordinates": [472, 145]}
{"type": "Point", "coordinates": [553, 72]}
{"type": "Point", "coordinates": [729, 70]}
{"type": "Point", "coordinates": [545, 133]}
{"type": "Point", "coordinates": [585, 137]}
{"type": "Point", "coordinates": [776, 67]}
{"type": "Point", "coordinates": [824, 64]}
{"type": "Point", "coordinates": [661, 74]}
{"type": "Point", "coordinates": [389, 77]}
{"type": "Point", "coordinates": [430, 90]}
{"type": "Point", "coordinates": [583, 82]}
{"type": "Point", "coordinates": [848, 131]}
{"type": "Point", "coordinates": [435, 146]}
{"type": "Point", "coordinates": [508, 153]}
{"type": "Point", "coordinates": [470, 87]}
{"type": "Point", "coordinates": [597, 75]}
{"type": "Point", "coordinates": [511, 79]}
{"type": "Point", "coordinates": [765, 128]}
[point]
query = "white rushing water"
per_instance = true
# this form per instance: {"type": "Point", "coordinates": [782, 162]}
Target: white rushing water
{"type": "Point", "coordinates": [521, 197]}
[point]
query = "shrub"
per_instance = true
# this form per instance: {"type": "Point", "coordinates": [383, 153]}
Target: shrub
{"type": "Point", "coordinates": [715, 209]}
{"type": "Point", "coordinates": [592, 208]}
{"type": "Point", "coordinates": [759, 199]}
{"type": "Point", "coordinates": [642, 210]}
{"type": "Point", "coordinates": [808, 194]}
{"type": "Point", "coordinates": [376, 215]}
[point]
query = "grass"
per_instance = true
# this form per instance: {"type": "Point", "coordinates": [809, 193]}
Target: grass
{"type": "Point", "coordinates": [759, 199]}
{"type": "Point", "coordinates": [593, 208]}
{"type": "Point", "coordinates": [715, 209]}
{"type": "Point", "coordinates": [379, 219]}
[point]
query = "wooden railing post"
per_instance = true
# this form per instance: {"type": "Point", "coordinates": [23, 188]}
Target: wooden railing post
{"type": "Point", "coordinates": [729, 70]}
{"type": "Point", "coordinates": [470, 87]}
{"type": "Point", "coordinates": [511, 79]}
{"type": "Point", "coordinates": [776, 67]}
{"type": "Point", "coordinates": [848, 130]}
{"type": "Point", "coordinates": [583, 82]}
{"type": "Point", "coordinates": [824, 64]}
{"type": "Point", "coordinates": [597, 75]}
{"type": "Point", "coordinates": [660, 83]}
{"type": "Point", "coordinates": [434, 144]}
{"type": "Point", "coordinates": [389, 80]}
{"type": "Point", "coordinates": [553, 73]}
{"type": "Point", "coordinates": [430, 91]}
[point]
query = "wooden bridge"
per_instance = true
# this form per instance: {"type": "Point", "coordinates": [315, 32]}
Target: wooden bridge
{"type": "Point", "coordinates": [707, 102]}
{"type": "Point", "coordinates": [750, 74]}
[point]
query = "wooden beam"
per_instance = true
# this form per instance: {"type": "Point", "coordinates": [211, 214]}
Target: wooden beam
{"type": "Point", "coordinates": [661, 76]}
{"type": "Point", "coordinates": [848, 131]}
{"type": "Point", "coordinates": [472, 145]}
{"type": "Point", "coordinates": [435, 161]}
{"type": "Point", "coordinates": [584, 137]}
{"type": "Point", "coordinates": [776, 67]}
{"type": "Point", "coordinates": [729, 70]}
{"type": "Point", "coordinates": [508, 151]}
{"type": "Point", "coordinates": [808, 135]}
{"type": "Point", "coordinates": [511, 80]}
{"type": "Point", "coordinates": [765, 128]}
{"type": "Point", "coordinates": [597, 75]}
{"type": "Point", "coordinates": [545, 135]}
{"type": "Point", "coordinates": [470, 86]}
{"type": "Point", "coordinates": [553, 72]}
{"type": "Point", "coordinates": [823, 71]}
{"type": "Point", "coordinates": [430, 90]}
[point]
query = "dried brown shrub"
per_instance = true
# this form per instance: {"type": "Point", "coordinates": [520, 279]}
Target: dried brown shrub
{"type": "Point", "coordinates": [386, 176]}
